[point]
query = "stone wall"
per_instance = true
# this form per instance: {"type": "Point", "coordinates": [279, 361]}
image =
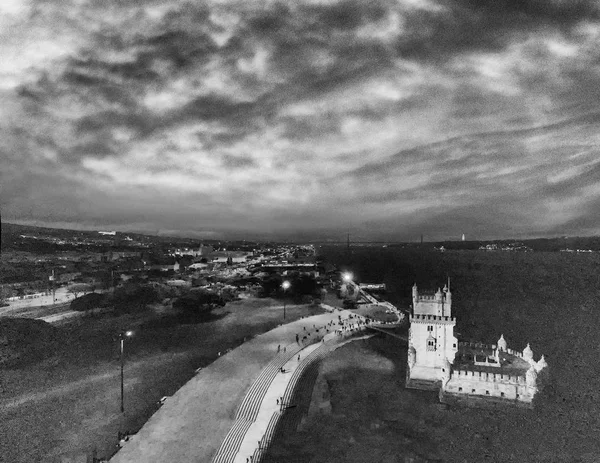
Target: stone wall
{"type": "Point", "coordinates": [511, 387]}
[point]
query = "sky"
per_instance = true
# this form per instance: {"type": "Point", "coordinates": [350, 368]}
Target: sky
{"type": "Point", "coordinates": [305, 118]}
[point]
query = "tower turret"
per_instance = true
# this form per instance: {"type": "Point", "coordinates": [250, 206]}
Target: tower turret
{"type": "Point", "coordinates": [438, 295]}
{"type": "Point", "coordinates": [531, 377]}
{"type": "Point", "coordinates": [448, 293]}
{"type": "Point", "coordinates": [502, 343]}
{"type": "Point", "coordinates": [446, 371]}
{"type": "Point", "coordinates": [415, 295]}
{"type": "Point", "coordinates": [412, 356]}
{"type": "Point", "coordinates": [528, 353]}
{"type": "Point", "coordinates": [541, 364]}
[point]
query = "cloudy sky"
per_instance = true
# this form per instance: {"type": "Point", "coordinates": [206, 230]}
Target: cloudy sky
{"type": "Point", "coordinates": [223, 117]}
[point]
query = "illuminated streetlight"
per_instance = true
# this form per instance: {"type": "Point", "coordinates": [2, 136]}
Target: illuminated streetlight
{"type": "Point", "coordinates": [122, 336]}
{"type": "Point", "coordinates": [347, 277]}
{"type": "Point", "coordinates": [285, 285]}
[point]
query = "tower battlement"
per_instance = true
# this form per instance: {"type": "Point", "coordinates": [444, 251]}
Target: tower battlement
{"type": "Point", "coordinates": [423, 318]}
{"type": "Point", "coordinates": [439, 303]}
{"type": "Point", "coordinates": [426, 297]}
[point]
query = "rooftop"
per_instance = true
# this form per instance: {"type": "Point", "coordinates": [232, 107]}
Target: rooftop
{"type": "Point", "coordinates": [471, 358]}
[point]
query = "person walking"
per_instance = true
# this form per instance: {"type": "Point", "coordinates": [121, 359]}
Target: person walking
{"type": "Point", "coordinates": [278, 348]}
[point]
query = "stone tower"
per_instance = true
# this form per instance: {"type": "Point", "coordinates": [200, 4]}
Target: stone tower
{"type": "Point", "coordinates": [431, 340]}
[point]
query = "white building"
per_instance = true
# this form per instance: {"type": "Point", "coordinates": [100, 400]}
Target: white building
{"type": "Point", "coordinates": [469, 373]}
{"type": "Point", "coordinates": [431, 341]}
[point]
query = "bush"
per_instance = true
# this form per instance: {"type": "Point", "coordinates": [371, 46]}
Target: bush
{"type": "Point", "coordinates": [89, 301]}
{"type": "Point", "coordinates": [306, 299]}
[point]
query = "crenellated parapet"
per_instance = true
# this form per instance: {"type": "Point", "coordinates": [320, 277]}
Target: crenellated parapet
{"type": "Point", "coordinates": [426, 298]}
{"type": "Point", "coordinates": [421, 318]}
{"type": "Point", "coordinates": [488, 377]}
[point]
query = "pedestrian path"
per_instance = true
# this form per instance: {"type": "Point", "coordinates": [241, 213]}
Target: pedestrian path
{"type": "Point", "coordinates": [280, 392]}
{"type": "Point", "coordinates": [194, 424]}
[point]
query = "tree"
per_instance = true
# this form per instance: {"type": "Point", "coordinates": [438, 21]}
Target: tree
{"type": "Point", "coordinates": [270, 285]}
{"type": "Point", "coordinates": [304, 285]}
{"type": "Point", "coordinates": [88, 302]}
{"type": "Point", "coordinates": [197, 305]}
{"type": "Point", "coordinates": [133, 297]}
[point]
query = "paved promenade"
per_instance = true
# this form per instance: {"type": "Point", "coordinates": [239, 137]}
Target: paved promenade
{"type": "Point", "coordinates": [195, 422]}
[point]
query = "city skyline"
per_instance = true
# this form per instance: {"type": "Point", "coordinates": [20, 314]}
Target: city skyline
{"type": "Point", "coordinates": [302, 119]}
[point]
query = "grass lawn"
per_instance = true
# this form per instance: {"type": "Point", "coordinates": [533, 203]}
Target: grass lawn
{"type": "Point", "coordinates": [62, 407]}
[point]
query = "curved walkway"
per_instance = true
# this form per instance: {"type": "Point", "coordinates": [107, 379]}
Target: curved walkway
{"type": "Point", "coordinates": [198, 419]}
{"type": "Point", "coordinates": [280, 392]}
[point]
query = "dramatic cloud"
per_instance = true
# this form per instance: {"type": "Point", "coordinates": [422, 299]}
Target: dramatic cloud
{"type": "Point", "coordinates": [388, 118]}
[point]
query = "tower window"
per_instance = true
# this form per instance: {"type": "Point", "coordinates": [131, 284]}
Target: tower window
{"type": "Point", "coordinates": [429, 328]}
{"type": "Point", "coordinates": [431, 344]}
{"type": "Point", "coordinates": [473, 391]}
{"type": "Point", "coordinates": [502, 394]}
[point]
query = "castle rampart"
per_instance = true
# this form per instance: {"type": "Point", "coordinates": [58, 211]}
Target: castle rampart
{"type": "Point", "coordinates": [485, 376]}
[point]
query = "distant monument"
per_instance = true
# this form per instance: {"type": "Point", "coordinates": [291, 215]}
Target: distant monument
{"type": "Point", "coordinates": [465, 372]}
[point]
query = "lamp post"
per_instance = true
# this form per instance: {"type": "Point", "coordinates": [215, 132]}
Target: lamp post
{"type": "Point", "coordinates": [122, 336]}
{"type": "Point", "coordinates": [285, 285]}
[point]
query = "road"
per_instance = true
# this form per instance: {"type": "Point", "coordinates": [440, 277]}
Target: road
{"type": "Point", "coordinates": [42, 308]}
{"type": "Point", "coordinates": [61, 296]}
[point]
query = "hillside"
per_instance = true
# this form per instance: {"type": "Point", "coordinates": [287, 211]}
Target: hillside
{"type": "Point", "coordinates": [24, 340]}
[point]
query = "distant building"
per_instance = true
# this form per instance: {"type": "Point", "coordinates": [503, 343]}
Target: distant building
{"type": "Point", "coordinates": [108, 233]}
{"type": "Point", "coordinates": [230, 257]}
{"type": "Point", "coordinates": [112, 256]}
{"type": "Point", "coordinates": [198, 265]}
{"type": "Point", "coordinates": [169, 264]}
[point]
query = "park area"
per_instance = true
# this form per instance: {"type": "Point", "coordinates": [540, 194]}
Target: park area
{"type": "Point", "coordinates": [60, 399]}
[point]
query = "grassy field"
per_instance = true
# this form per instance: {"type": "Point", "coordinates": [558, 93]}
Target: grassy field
{"type": "Point", "coordinates": [61, 404]}
{"type": "Point", "coordinates": [548, 299]}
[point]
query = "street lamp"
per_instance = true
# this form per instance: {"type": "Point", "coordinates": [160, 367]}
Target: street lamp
{"type": "Point", "coordinates": [285, 285]}
{"type": "Point", "coordinates": [347, 277]}
{"type": "Point", "coordinates": [122, 336]}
